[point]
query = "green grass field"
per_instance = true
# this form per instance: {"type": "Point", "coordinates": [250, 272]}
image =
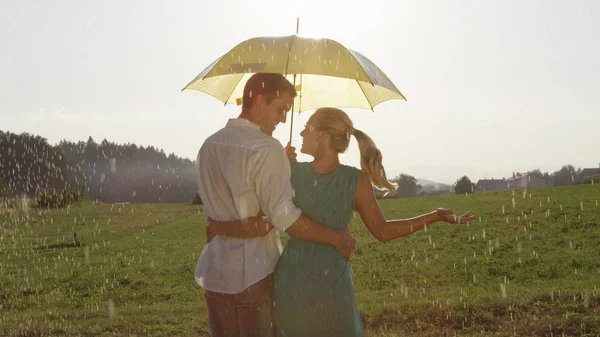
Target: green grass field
{"type": "Point", "coordinates": [530, 267]}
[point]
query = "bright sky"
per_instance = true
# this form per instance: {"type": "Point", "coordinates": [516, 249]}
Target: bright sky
{"type": "Point", "coordinates": [492, 86]}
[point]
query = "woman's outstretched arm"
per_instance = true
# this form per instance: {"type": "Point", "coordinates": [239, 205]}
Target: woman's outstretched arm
{"type": "Point", "coordinates": [385, 230]}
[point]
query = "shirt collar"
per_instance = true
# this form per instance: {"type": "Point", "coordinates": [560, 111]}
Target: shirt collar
{"type": "Point", "coordinates": [241, 122]}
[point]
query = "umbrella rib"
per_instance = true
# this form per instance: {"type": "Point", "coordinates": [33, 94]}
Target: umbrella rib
{"type": "Point", "coordinates": [232, 90]}
{"type": "Point", "coordinates": [207, 70]}
{"type": "Point", "coordinates": [361, 68]}
{"type": "Point", "coordinates": [364, 94]}
{"type": "Point", "coordinates": [287, 63]}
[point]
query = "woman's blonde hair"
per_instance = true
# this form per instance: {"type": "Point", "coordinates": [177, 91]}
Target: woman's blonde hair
{"type": "Point", "coordinates": [339, 127]}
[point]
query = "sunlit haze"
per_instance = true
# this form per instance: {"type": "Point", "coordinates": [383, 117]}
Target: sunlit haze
{"type": "Point", "coordinates": [492, 87]}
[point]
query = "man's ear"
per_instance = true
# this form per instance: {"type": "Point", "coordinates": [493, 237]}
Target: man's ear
{"type": "Point", "coordinates": [259, 100]}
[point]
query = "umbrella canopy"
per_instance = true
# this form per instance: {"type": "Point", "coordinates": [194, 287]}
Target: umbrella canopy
{"type": "Point", "coordinates": [325, 72]}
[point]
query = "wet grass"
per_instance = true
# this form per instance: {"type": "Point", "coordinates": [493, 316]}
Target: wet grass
{"type": "Point", "coordinates": [519, 271]}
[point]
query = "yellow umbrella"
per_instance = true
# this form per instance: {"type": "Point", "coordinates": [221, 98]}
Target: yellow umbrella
{"type": "Point", "coordinates": [325, 73]}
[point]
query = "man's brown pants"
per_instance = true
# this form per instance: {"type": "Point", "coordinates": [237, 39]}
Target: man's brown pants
{"type": "Point", "coordinates": [246, 314]}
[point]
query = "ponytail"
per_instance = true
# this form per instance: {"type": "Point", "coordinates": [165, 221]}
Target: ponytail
{"type": "Point", "coordinates": [371, 161]}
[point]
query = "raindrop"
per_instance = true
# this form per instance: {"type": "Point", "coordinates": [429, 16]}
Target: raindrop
{"type": "Point", "coordinates": [581, 204]}
{"type": "Point", "coordinates": [586, 300]}
{"type": "Point", "coordinates": [111, 309]}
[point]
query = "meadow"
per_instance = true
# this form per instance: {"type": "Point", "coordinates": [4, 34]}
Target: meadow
{"type": "Point", "coordinates": [530, 266]}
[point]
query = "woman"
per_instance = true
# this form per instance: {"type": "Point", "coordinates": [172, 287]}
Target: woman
{"type": "Point", "coordinates": [314, 292]}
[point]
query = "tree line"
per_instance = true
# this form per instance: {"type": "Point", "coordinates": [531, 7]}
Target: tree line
{"type": "Point", "coordinates": [408, 185]}
{"type": "Point", "coordinates": [110, 172]}
{"type": "Point", "coordinates": [567, 175]}
{"type": "Point", "coordinates": [105, 171]}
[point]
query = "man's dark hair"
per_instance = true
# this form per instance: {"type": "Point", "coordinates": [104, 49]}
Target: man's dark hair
{"type": "Point", "coordinates": [267, 84]}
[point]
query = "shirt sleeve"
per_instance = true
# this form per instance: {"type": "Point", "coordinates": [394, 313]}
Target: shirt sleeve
{"type": "Point", "coordinates": [272, 177]}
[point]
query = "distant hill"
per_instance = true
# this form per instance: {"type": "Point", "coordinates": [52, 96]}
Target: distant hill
{"type": "Point", "coordinates": [424, 182]}
{"type": "Point", "coordinates": [429, 186]}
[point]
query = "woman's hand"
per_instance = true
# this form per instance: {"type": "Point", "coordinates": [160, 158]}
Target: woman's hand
{"type": "Point", "coordinates": [447, 215]}
{"type": "Point", "coordinates": [210, 234]}
{"type": "Point", "coordinates": [346, 251]}
{"type": "Point", "coordinates": [290, 151]}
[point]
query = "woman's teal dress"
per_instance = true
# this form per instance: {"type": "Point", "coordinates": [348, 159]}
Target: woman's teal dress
{"type": "Point", "coordinates": [314, 292]}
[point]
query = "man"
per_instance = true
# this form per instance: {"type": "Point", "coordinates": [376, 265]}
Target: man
{"type": "Point", "coordinates": [242, 170]}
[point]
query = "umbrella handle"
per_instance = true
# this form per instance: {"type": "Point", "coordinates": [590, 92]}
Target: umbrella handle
{"type": "Point", "coordinates": [292, 124]}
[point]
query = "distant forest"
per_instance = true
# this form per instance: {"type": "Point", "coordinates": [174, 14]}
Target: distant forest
{"type": "Point", "coordinates": [104, 171]}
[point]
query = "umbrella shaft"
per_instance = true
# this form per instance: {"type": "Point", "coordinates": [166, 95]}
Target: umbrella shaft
{"type": "Point", "coordinates": [292, 110]}
{"type": "Point", "coordinates": [292, 113]}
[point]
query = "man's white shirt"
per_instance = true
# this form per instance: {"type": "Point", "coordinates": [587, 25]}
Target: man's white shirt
{"type": "Point", "coordinates": [239, 171]}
